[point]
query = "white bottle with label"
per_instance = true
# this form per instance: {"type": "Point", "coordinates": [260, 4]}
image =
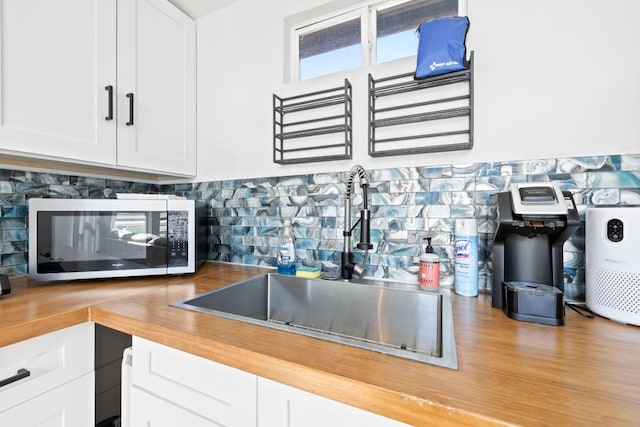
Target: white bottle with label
{"type": "Point", "coordinates": [466, 252]}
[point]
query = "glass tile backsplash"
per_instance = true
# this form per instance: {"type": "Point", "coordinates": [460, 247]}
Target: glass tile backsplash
{"type": "Point", "coordinates": [407, 204]}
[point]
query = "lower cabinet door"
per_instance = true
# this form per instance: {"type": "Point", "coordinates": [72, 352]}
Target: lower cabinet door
{"type": "Point", "coordinates": [152, 411]}
{"type": "Point", "coordinates": [51, 360]}
{"type": "Point", "coordinates": [284, 406]}
{"type": "Point", "coordinates": [213, 391]}
{"type": "Point", "coordinates": [69, 405]}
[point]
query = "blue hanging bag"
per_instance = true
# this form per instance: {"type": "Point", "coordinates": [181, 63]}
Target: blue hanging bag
{"type": "Point", "coordinates": [441, 46]}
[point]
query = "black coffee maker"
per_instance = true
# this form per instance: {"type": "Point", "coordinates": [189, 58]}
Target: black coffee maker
{"type": "Point", "coordinates": [534, 221]}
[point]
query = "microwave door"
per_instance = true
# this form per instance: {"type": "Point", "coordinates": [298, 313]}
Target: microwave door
{"type": "Point", "coordinates": [102, 240]}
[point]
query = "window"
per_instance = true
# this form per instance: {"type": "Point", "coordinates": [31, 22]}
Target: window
{"type": "Point", "coordinates": [396, 26]}
{"type": "Point", "coordinates": [341, 41]}
{"type": "Point", "coordinates": [333, 48]}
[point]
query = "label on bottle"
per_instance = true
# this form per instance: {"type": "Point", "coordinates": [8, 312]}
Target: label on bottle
{"type": "Point", "coordinates": [286, 259]}
{"type": "Point", "coordinates": [285, 254]}
{"type": "Point", "coordinates": [466, 265]}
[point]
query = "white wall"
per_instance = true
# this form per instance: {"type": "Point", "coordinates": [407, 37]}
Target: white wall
{"type": "Point", "coordinates": [554, 78]}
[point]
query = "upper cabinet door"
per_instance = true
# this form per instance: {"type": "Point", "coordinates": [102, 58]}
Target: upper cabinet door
{"type": "Point", "coordinates": [156, 87]}
{"type": "Point", "coordinates": [56, 59]}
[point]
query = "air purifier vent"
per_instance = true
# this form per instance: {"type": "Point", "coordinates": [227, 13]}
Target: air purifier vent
{"type": "Point", "coordinates": [612, 287]}
{"type": "Point", "coordinates": [618, 290]}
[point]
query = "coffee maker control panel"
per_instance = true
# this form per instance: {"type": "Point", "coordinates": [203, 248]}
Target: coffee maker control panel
{"type": "Point", "coordinates": [538, 199]}
{"type": "Point", "coordinates": [537, 194]}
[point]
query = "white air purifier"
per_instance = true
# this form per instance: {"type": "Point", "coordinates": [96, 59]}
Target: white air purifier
{"type": "Point", "coordinates": [612, 249]}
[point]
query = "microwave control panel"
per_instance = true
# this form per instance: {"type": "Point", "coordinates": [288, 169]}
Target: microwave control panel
{"type": "Point", "coordinates": [178, 238]}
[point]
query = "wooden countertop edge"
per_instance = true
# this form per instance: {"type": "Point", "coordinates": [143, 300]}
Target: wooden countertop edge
{"type": "Point", "coordinates": [42, 325]}
{"type": "Point", "coordinates": [399, 406]}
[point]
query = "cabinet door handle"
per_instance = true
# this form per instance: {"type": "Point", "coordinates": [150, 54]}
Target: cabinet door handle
{"type": "Point", "coordinates": [130, 122]}
{"type": "Point", "coordinates": [109, 90]}
{"type": "Point", "coordinates": [22, 373]}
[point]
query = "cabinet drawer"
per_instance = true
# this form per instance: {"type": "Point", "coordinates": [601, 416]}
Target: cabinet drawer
{"type": "Point", "coordinates": [51, 360]}
{"type": "Point", "coordinates": [70, 405]}
{"type": "Point", "coordinates": [213, 391]}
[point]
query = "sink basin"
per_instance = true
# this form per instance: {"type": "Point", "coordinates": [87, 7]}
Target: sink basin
{"type": "Point", "coordinates": [388, 317]}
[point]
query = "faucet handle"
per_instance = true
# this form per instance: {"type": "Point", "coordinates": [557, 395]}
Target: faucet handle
{"type": "Point", "coordinates": [359, 270]}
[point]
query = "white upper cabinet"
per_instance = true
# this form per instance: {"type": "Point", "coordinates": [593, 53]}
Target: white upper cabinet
{"type": "Point", "coordinates": [56, 58]}
{"type": "Point", "coordinates": [157, 65]}
{"type": "Point", "coordinates": [108, 82]}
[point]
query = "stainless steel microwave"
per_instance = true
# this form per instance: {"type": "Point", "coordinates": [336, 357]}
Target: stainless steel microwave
{"type": "Point", "coordinates": [97, 238]}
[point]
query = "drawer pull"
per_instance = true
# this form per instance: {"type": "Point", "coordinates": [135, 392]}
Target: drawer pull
{"type": "Point", "coordinates": [22, 373]}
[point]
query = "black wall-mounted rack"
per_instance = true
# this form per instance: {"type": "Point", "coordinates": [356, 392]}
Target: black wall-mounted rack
{"type": "Point", "coordinates": [313, 127]}
{"type": "Point", "coordinates": [409, 116]}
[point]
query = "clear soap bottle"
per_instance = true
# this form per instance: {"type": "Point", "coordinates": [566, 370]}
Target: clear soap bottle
{"type": "Point", "coordinates": [287, 251]}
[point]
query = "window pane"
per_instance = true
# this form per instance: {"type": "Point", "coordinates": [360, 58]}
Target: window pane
{"type": "Point", "coordinates": [396, 26]}
{"type": "Point", "coordinates": [330, 49]}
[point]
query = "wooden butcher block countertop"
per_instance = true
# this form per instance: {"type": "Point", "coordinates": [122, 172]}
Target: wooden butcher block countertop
{"type": "Point", "coordinates": [586, 372]}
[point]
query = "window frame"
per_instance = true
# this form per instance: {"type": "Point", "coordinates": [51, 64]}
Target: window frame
{"type": "Point", "coordinates": [366, 11]}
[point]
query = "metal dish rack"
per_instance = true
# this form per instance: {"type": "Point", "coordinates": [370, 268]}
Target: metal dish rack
{"type": "Point", "coordinates": [313, 127]}
{"type": "Point", "coordinates": [409, 116]}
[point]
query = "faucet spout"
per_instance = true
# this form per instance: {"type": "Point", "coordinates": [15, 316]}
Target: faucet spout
{"type": "Point", "coordinates": [348, 266]}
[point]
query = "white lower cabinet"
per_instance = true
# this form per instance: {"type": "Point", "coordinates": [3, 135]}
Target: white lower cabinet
{"type": "Point", "coordinates": [70, 405]}
{"type": "Point", "coordinates": [49, 380]}
{"type": "Point", "coordinates": [280, 405]}
{"type": "Point", "coordinates": [170, 387]}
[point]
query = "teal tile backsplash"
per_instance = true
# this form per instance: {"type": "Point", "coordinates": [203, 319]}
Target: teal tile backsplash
{"type": "Point", "coordinates": [245, 216]}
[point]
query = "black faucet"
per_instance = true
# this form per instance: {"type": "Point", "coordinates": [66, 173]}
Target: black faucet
{"type": "Point", "coordinates": [348, 267]}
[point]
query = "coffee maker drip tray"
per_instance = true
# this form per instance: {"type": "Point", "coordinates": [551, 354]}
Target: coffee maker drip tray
{"type": "Point", "coordinates": [533, 302]}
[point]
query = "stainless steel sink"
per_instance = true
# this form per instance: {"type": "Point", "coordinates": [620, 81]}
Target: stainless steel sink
{"type": "Point", "coordinates": [388, 317]}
